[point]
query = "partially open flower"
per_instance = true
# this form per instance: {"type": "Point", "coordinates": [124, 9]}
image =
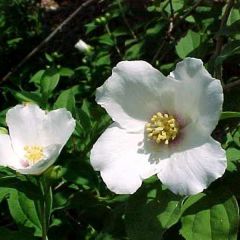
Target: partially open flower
{"type": "Point", "coordinates": [35, 138]}
{"type": "Point", "coordinates": [162, 126]}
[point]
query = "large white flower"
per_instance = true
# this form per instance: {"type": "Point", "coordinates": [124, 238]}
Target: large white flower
{"type": "Point", "coordinates": [162, 125]}
{"type": "Point", "coordinates": [35, 138]}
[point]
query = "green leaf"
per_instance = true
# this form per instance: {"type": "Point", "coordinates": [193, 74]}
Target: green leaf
{"type": "Point", "coordinates": [230, 49]}
{"type": "Point", "coordinates": [104, 236]}
{"type": "Point", "coordinates": [3, 117]}
{"type": "Point", "coordinates": [84, 115]}
{"type": "Point", "coordinates": [66, 72]}
{"type": "Point", "coordinates": [188, 44]}
{"type": "Point", "coordinates": [25, 96]}
{"type": "Point", "coordinates": [24, 212]}
{"type": "Point", "coordinates": [66, 100]}
{"type": "Point", "coordinates": [236, 137]}
{"type": "Point", "coordinates": [49, 57]}
{"type": "Point", "coordinates": [233, 17]}
{"type": "Point", "coordinates": [90, 27]}
{"type": "Point", "coordinates": [3, 130]}
{"type": "Point", "coordinates": [106, 39]}
{"type": "Point", "coordinates": [150, 212]}
{"type": "Point", "coordinates": [226, 115]}
{"type": "Point", "coordinates": [233, 157]}
{"type": "Point", "coordinates": [36, 78]}
{"type": "Point", "coordinates": [134, 51]}
{"type": "Point", "coordinates": [49, 81]}
{"type": "Point", "coordinates": [4, 193]}
{"type": "Point", "coordinates": [233, 154]}
{"type": "Point", "coordinates": [177, 5]}
{"type": "Point", "coordinates": [80, 173]}
{"type": "Point", "coordinates": [103, 58]}
{"type": "Point", "coordinates": [155, 30]}
{"type": "Point", "coordinates": [14, 42]}
{"type": "Point", "coordinates": [210, 216]}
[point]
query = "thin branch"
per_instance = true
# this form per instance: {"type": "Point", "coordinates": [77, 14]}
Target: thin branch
{"type": "Point", "coordinates": [162, 46]}
{"type": "Point", "coordinates": [125, 20]}
{"type": "Point", "coordinates": [171, 8]}
{"type": "Point", "coordinates": [220, 39]}
{"type": "Point", "coordinates": [171, 20]}
{"type": "Point", "coordinates": [191, 9]}
{"type": "Point", "coordinates": [173, 25]}
{"type": "Point", "coordinates": [47, 39]}
{"type": "Point", "coordinates": [114, 40]}
{"type": "Point", "coordinates": [231, 85]}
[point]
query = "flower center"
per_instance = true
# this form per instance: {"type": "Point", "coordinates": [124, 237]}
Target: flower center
{"type": "Point", "coordinates": [162, 128]}
{"type": "Point", "coordinates": [33, 153]}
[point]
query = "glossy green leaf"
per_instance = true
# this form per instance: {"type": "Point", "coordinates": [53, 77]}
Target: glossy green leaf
{"type": "Point", "coordinates": [211, 216]}
{"type": "Point", "coordinates": [233, 154]}
{"type": "Point", "coordinates": [66, 72]}
{"type": "Point", "coordinates": [36, 78]}
{"type": "Point", "coordinates": [226, 115]}
{"type": "Point", "coordinates": [24, 96]}
{"type": "Point", "coordinates": [106, 39]}
{"type": "Point", "coordinates": [24, 212]}
{"type": "Point", "coordinates": [49, 81]}
{"type": "Point", "coordinates": [150, 212]}
{"type": "Point", "coordinates": [188, 43]}
{"type": "Point", "coordinates": [66, 100]}
{"type": "Point", "coordinates": [134, 51]}
{"type": "Point", "coordinates": [4, 193]}
{"type": "Point", "coordinates": [84, 115]}
{"type": "Point", "coordinates": [234, 16]}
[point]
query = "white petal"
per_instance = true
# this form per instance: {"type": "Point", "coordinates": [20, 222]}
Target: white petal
{"type": "Point", "coordinates": [24, 123]}
{"type": "Point", "coordinates": [199, 96]}
{"type": "Point", "coordinates": [7, 155]}
{"type": "Point", "coordinates": [121, 159]}
{"type": "Point", "coordinates": [29, 125]}
{"type": "Point", "coordinates": [57, 127]}
{"type": "Point", "coordinates": [135, 92]}
{"type": "Point", "coordinates": [51, 152]}
{"type": "Point", "coordinates": [191, 171]}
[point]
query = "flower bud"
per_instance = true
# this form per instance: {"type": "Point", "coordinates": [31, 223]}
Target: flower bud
{"type": "Point", "coordinates": [83, 47]}
{"type": "Point", "coordinates": [54, 172]}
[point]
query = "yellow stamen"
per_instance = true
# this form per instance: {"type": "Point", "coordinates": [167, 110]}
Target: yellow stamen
{"type": "Point", "coordinates": [162, 128]}
{"type": "Point", "coordinates": [33, 153]}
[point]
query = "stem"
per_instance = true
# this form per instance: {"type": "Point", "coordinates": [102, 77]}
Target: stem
{"type": "Point", "coordinates": [174, 22]}
{"type": "Point", "coordinates": [114, 39]}
{"type": "Point", "coordinates": [125, 20]}
{"type": "Point", "coordinates": [44, 223]}
{"type": "Point", "coordinates": [219, 40]}
{"type": "Point", "coordinates": [46, 205]}
{"type": "Point", "coordinates": [231, 85]}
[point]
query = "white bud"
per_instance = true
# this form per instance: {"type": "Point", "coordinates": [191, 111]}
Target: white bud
{"type": "Point", "coordinates": [83, 47]}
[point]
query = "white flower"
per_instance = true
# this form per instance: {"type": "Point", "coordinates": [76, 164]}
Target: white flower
{"type": "Point", "coordinates": [83, 47]}
{"type": "Point", "coordinates": [162, 126]}
{"type": "Point", "coordinates": [35, 138]}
